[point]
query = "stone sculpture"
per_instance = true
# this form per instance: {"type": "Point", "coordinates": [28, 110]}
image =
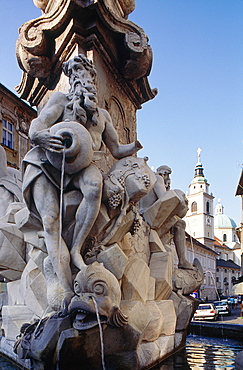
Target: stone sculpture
{"type": "Point", "coordinates": [163, 209]}
{"type": "Point", "coordinates": [78, 111]}
{"type": "Point", "coordinates": [12, 246]}
{"type": "Point", "coordinates": [99, 281]}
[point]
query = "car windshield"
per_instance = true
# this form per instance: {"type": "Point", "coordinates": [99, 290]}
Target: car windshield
{"type": "Point", "coordinates": [205, 307]}
{"type": "Point", "coordinates": [220, 304]}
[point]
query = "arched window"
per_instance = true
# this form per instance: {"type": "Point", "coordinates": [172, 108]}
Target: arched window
{"type": "Point", "coordinates": [207, 208]}
{"type": "Point", "coordinates": [194, 207]}
{"type": "Point", "coordinates": [224, 238]}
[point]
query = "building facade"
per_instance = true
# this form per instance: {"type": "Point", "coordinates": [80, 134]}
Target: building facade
{"type": "Point", "coordinates": [217, 232]}
{"type": "Point", "coordinates": [15, 118]}
{"type": "Point", "coordinates": [199, 218]}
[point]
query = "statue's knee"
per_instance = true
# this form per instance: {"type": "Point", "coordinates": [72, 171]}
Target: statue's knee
{"type": "Point", "coordinates": [180, 224]}
{"type": "Point", "coordinates": [50, 221]}
{"type": "Point", "coordinates": [95, 189]}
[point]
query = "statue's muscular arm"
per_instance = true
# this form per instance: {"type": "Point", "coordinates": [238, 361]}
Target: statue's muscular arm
{"type": "Point", "coordinates": [39, 131]}
{"type": "Point", "coordinates": [159, 187]}
{"type": "Point", "coordinates": [110, 138]}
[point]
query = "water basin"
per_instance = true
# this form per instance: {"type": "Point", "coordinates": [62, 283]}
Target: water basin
{"type": "Point", "coordinates": [204, 353]}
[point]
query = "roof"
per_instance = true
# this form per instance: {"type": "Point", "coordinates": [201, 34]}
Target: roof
{"type": "Point", "coordinates": [218, 243]}
{"type": "Point", "coordinates": [229, 264]}
{"type": "Point", "coordinates": [16, 98]}
{"type": "Point", "coordinates": [189, 238]}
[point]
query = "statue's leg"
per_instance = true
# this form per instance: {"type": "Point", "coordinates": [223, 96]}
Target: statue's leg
{"type": "Point", "coordinates": [179, 240]}
{"type": "Point", "coordinates": [47, 201]}
{"type": "Point", "coordinates": [90, 184]}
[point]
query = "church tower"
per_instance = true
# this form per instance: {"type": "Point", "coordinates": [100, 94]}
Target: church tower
{"type": "Point", "coordinates": [199, 218]}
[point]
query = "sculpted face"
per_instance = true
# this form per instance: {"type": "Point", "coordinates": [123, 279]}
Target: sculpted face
{"type": "Point", "coordinates": [79, 74]}
{"type": "Point", "coordinates": [95, 286]}
{"type": "Point", "coordinates": [130, 177]}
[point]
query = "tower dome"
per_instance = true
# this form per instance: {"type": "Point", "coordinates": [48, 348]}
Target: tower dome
{"type": "Point", "coordinates": [222, 221]}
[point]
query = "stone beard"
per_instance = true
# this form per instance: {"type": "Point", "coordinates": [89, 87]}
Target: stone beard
{"type": "Point", "coordinates": [83, 103]}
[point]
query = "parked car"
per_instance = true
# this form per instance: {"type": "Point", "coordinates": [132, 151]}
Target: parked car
{"type": "Point", "coordinates": [223, 307]}
{"type": "Point", "coordinates": [206, 311]}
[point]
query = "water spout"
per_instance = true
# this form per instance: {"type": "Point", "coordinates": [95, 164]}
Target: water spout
{"type": "Point", "coordinates": [101, 335]}
{"type": "Point", "coordinates": [214, 281]}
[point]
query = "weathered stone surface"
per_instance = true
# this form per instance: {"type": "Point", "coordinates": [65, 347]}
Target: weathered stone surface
{"type": "Point", "coordinates": [114, 259]}
{"type": "Point", "coordinates": [148, 353]}
{"type": "Point", "coordinates": [239, 361]}
{"type": "Point", "coordinates": [135, 281]}
{"type": "Point", "coordinates": [186, 281]}
{"type": "Point", "coordinates": [180, 338]}
{"type": "Point", "coordinates": [26, 222]}
{"type": "Point", "coordinates": [161, 268]}
{"type": "Point", "coordinates": [184, 308]}
{"type": "Point", "coordinates": [138, 322]}
{"type": "Point", "coordinates": [12, 251]}
{"type": "Point", "coordinates": [154, 328]}
{"type": "Point", "coordinates": [151, 293]}
{"type": "Point", "coordinates": [126, 245]}
{"type": "Point", "coordinates": [161, 210]}
{"type": "Point", "coordinates": [137, 244]}
{"type": "Point", "coordinates": [13, 317]}
{"type": "Point", "coordinates": [155, 243]}
{"type": "Point", "coordinates": [166, 345]}
{"type": "Point", "coordinates": [13, 296]}
{"type": "Point", "coordinates": [12, 209]}
{"type": "Point", "coordinates": [140, 241]}
{"type": "Point", "coordinates": [168, 311]}
{"type": "Point", "coordinates": [124, 226]}
{"type": "Point", "coordinates": [33, 289]}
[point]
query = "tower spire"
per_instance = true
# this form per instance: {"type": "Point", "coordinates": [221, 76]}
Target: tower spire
{"type": "Point", "coordinates": [199, 168]}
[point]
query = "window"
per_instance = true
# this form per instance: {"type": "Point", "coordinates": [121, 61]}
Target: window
{"type": "Point", "coordinates": [224, 238]}
{"type": "Point", "coordinates": [7, 134]}
{"type": "Point", "coordinates": [194, 207]}
{"type": "Point", "coordinates": [207, 208]}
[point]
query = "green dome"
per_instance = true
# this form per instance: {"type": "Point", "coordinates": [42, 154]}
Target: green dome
{"type": "Point", "coordinates": [221, 221]}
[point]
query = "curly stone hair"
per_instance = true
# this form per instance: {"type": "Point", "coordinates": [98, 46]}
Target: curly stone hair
{"type": "Point", "coordinates": [84, 61]}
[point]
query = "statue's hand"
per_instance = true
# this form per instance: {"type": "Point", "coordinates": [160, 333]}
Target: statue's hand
{"type": "Point", "coordinates": [53, 143]}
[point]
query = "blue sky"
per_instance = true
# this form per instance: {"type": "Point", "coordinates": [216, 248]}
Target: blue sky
{"type": "Point", "coordinates": [197, 68]}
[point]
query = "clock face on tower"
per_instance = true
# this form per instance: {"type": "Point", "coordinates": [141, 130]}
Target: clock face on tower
{"type": "Point", "coordinates": [208, 221]}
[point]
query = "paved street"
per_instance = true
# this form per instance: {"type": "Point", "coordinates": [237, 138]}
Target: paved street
{"type": "Point", "coordinates": [234, 318]}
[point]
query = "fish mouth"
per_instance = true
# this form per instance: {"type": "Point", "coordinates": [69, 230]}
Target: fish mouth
{"type": "Point", "coordinates": [84, 320]}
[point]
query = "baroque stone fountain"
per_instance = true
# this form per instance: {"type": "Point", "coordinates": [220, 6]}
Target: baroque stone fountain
{"type": "Point", "coordinates": [92, 279]}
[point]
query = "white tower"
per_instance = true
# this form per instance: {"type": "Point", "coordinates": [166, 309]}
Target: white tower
{"type": "Point", "coordinates": [199, 218]}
